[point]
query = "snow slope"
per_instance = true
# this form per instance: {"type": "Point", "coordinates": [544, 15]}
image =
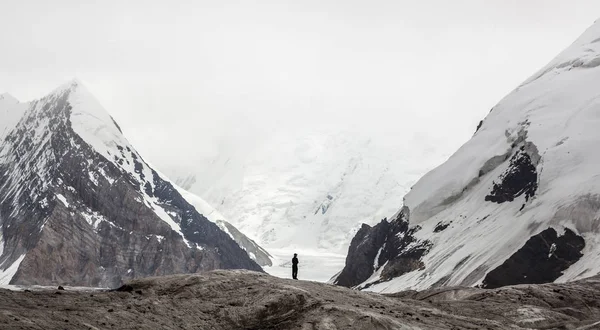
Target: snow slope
{"type": "Point", "coordinates": [545, 130]}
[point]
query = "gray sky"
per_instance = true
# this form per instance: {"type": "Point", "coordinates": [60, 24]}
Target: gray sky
{"type": "Point", "coordinates": [184, 75]}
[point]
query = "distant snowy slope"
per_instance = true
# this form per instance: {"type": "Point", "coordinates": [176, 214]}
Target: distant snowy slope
{"type": "Point", "coordinates": [309, 190]}
{"type": "Point", "coordinates": [518, 203]}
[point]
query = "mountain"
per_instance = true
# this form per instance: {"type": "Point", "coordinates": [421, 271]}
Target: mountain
{"type": "Point", "coordinates": [518, 203]}
{"type": "Point", "coordinates": [306, 189]}
{"type": "Point", "coordinates": [80, 206]}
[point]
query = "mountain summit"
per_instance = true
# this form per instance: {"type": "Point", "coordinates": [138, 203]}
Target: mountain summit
{"type": "Point", "coordinates": [518, 203]}
{"type": "Point", "coordinates": [80, 206]}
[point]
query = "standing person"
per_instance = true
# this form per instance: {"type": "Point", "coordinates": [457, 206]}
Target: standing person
{"type": "Point", "coordinates": [295, 266]}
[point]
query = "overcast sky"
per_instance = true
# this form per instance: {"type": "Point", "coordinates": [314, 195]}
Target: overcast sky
{"type": "Point", "coordinates": [180, 76]}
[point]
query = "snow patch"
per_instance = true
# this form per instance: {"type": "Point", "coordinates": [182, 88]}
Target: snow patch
{"type": "Point", "coordinates": [376, 261]}
{"type": "Point", "coordinates": [7, 274]}
{"type": "Point", "coordinates": [93, 178]}
{"type": "Point", "coordinates": [62, 198]}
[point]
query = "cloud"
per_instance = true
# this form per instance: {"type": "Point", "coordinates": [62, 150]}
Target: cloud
{"type": "Point", "coordinates": [185, 78]}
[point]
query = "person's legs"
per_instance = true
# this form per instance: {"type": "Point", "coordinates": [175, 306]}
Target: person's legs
{"type": "Point", "coordinates": [295, 272]}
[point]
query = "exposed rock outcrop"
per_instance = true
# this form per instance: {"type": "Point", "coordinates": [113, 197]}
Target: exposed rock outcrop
{"type": "Point", "coordinates": [519, 179]}
{"type": "Point", "coordinates": [362, 254]}
{"type": "Point", "coordinates": [441, 226]}
{"type": "Point", "coordinates": [387, 250]}
{"type": "Point", "coordinates": [542, 259]}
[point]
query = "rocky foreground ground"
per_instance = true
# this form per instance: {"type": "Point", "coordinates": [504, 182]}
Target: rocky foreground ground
{"type": "Point", "coordinates": [249, 300]}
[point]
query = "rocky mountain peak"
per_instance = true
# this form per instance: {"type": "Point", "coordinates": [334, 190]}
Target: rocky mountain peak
{"type": "Point", "coordinates": [79, 205]}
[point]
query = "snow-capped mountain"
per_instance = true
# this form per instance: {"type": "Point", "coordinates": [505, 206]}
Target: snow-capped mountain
{"type": "Point", "coordinates": [80, 206]}
{"type": "Point", "coordinates": [518, 203]}
{"type": "Point", "coordinates": [299, 190]}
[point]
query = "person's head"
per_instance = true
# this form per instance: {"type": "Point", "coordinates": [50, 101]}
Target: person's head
{"type": "Point", "coordinates": [295, 254]}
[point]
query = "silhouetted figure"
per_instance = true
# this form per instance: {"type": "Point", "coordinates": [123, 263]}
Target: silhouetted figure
{"type": "Point", "coordinates": [295, 266]}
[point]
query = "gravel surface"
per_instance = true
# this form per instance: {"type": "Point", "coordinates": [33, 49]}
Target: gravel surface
{"type": "Point", "coordinates": [249, 300]}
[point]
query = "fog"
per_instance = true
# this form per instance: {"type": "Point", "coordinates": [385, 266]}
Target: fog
{"type": "Point", "coordinates": [185, 78]}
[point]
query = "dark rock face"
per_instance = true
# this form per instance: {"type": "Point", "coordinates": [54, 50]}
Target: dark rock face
{"type": "Point", "coordinates": [542, 259]}
{"type": "Point", "coordinates": [324, 206]}
{"type": "Point", "coordinates": [479, 126]}
{"type": "Point", "coordinates": [520, 178]}
{"type": "Point", "coordinates": [361, 254]}
{"type": "Point", "coordinates": [80, 219]}
{"type": "Point", "coordinates": [390, 244]}
{"type": "Point", "coordinates": [441, 226]}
